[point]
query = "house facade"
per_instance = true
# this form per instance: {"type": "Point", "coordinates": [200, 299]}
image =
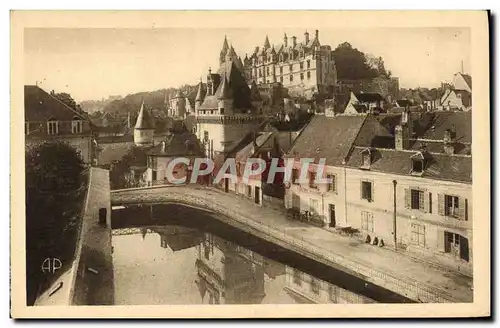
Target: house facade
{"type": "Point", "coordinates": [409, 189]}
{"type": "Point", "coordinates": [178, 144]}
{"type": "Point", "coordinates": [47, 119]}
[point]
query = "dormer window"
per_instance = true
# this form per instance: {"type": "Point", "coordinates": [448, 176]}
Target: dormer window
{"type": "Point", "coordinates": [418, 163]}
{"type": "Point", "coordinates": [52, 127]}
{"type": "Point", "coordinates": [366, 158]}
{"type": "Point", "coordinates": [76, 125]}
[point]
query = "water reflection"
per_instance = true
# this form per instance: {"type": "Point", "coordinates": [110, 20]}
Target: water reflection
{"type": "Point", "coordinates": [173, 264]}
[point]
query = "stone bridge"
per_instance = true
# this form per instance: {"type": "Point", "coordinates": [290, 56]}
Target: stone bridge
{"type": "Point", "coordinates": [411, 279]}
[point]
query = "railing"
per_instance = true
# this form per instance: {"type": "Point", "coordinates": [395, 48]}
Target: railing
{"type": "Point", "coordinates": [404, 285]}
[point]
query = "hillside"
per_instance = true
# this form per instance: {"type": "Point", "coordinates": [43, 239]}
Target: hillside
{"type": "Point", "coordinates": [91, 106]}
{"type": "Point", "coordinates": [153, 99]}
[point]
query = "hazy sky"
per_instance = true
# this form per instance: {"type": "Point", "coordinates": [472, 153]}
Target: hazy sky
{"type": "Point", "coordinates": [92, 63]}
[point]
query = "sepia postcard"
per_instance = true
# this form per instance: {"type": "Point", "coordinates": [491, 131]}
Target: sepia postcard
{"type": "Point", "coordinates": [250, 164]}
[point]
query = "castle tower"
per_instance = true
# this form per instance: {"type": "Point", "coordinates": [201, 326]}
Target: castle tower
{"type": "Point", "coordinates": [144, 128]}
{"type": "Point", "coordinates": [179, 104]}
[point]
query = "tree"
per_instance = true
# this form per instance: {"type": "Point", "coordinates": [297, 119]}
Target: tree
{"type": "Point", "coordinates": [353, 64]}
{"type": "Point", "coordinates": [136, 156]}
{"type": "Point", "coordinates": [54, 189]}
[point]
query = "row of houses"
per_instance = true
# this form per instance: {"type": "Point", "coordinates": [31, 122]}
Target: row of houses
{"type": "Point", "coordinates": [454, 96]}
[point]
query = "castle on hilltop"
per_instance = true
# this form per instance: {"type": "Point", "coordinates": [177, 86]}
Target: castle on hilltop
{"type": "Point", "coordinates": [304, 68]}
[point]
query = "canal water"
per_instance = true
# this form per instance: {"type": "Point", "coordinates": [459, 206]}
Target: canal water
{"type": "Point", "coordinates": [168, 254]}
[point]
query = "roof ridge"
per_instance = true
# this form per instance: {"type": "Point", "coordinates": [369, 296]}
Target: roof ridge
{"type": "Point", "coordinates": [73, 110]}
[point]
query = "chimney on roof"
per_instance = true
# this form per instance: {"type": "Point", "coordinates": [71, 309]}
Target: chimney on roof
{"type": "Point", "coordinates": [317, 34]}
{"type": "Point", "coordinates": [403, 131]}
{"type": "Point", "coordinates": [306, 37]}
{"type": "Point", "coordinates": [285, 39]}
{"type": "Point", "coordinates": [294, 41]}
{"type": "Point", "coordinates": [449, 141]}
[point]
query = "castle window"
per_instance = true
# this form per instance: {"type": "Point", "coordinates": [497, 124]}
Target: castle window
{"type": "Point", "coordinates": [205, 136]}
{"type": "Point", "coordinates": [267, 69]}
{"type": "Point", "coordinates": [308, 75]}
{"type": "Point", "coordinates": [301, 65]}
{"type": "Point", "coordinates": [291, 68]}
{"type": "Point", "coordinates": [76, 125]}
{"type": "Point", "coordinates": [301, 76]}
{"type": "Point", "coordinates": [222, 111]}
{"type": "Point", "coordinates": [291, 77]}
{"type": "Point", "coordinates": [308, 64]}
{"type": "Point", "coordinates": [281, 69]}
{"type": "Point", "coordinates": [52, 127]}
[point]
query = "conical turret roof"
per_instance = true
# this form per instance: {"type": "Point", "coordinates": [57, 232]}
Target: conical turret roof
{"type": "Point", "coordinates": [225, 46]}
{"type": "Point", "coordinates": [144, 120]}
{"type": "Point", "coordinates": [199, 94]}
{"type": "Point", "coordinates": [267, 45]}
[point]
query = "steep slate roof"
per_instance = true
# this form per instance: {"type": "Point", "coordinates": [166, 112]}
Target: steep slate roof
{"type": "Point", "coordinates": [41, 106]}
{"type": "Point", "coordinates": [144, 120]}
{"type": "Point", "coordinates": [177, 145]}
{"type": "Point", "coordinates": [368, 97]}
{"type": "Point", "coordinates": [237, 88]}
{"type": "Point", "coordinates": [403, 103]}
{"type": "Point", "coordinates": [468, 79]}
{"type": "Point", "coordinates": [327, 137]}
{"type": "Point", "coordinates": [432, 125]}
{"type": "Point", "coordinates": [439, 166]}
